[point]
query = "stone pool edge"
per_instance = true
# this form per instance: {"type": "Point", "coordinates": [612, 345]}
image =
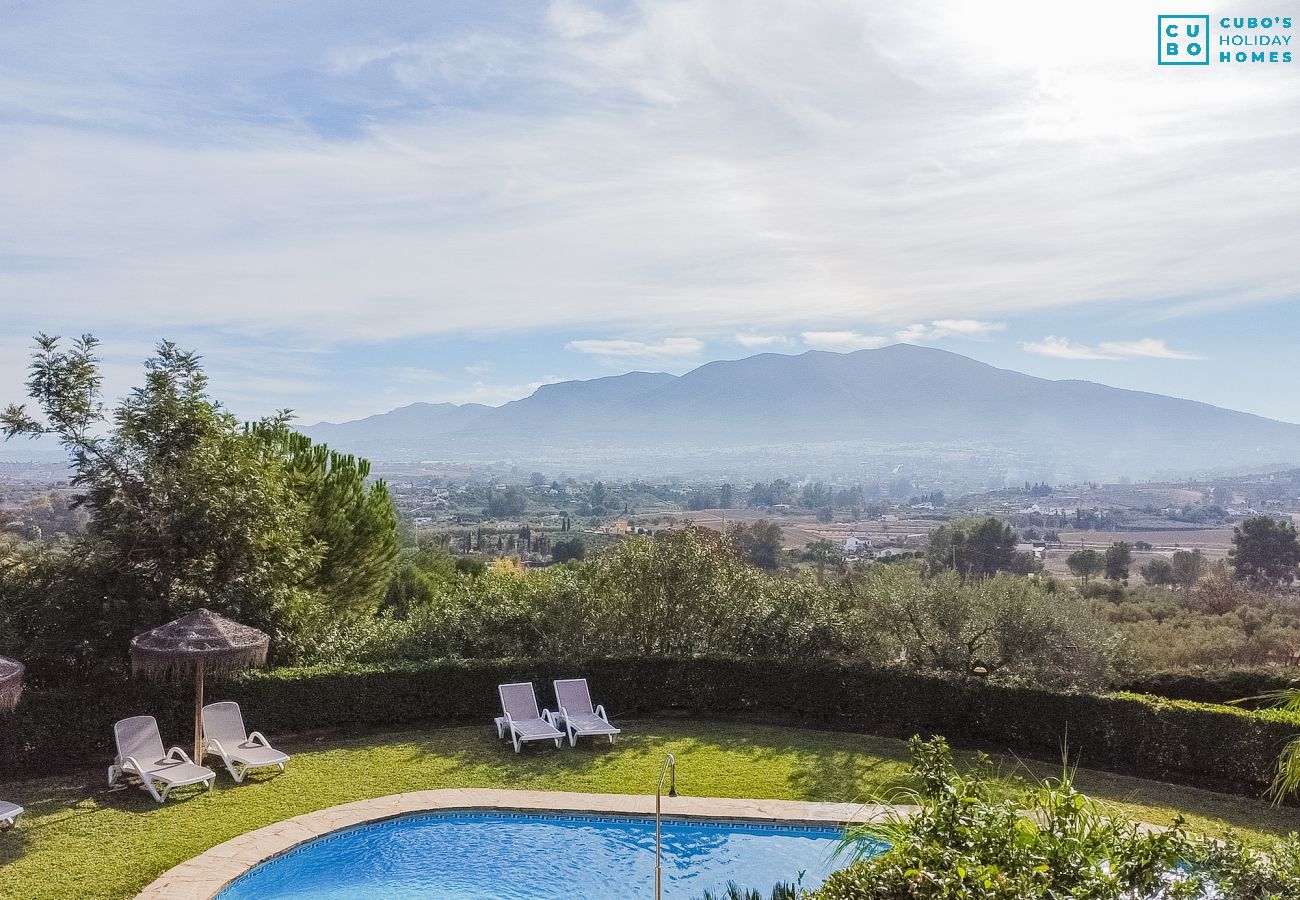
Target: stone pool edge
{"type": "Point", "coordinates": [203, 876]}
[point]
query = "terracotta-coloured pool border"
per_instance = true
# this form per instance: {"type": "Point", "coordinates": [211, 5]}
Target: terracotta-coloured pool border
{"type": "Point", "coordinates": [205, 875]}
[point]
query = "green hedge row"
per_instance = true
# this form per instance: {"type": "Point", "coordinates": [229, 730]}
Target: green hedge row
{"type": "Point", "coordinates": [1222, 686]}
{"type": "Point", "coordinates": [1210, 746]}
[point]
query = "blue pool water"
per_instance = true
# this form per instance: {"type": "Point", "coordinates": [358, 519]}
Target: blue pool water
{"type": "Point", "coordinates": [503, 856]}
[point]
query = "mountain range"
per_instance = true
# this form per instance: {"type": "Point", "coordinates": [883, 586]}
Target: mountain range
{"type": "Point", "coordinates": [907, 403]}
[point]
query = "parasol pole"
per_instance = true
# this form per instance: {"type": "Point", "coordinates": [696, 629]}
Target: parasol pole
{"type": "Point", "coordinates": [198, 712]}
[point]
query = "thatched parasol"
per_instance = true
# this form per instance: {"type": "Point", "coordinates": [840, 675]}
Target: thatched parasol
{"type": "Point", "coordinates": [201, 641]}
{"type": "Point", "coordinates": [11, 682]}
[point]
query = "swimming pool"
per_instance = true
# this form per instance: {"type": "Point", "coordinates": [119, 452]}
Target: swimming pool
{"type": "Point", "coordinates": [512, 856]}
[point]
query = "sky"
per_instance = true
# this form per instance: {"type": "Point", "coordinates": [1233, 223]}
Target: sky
{"type": "Point", "coordinates": [346, 207]}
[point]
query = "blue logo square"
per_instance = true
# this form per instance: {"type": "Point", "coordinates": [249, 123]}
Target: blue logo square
{"type": "Point", "coordinates": [1183, 40]}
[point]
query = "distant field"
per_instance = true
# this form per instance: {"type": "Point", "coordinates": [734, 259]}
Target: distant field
{"type": "Point", "coordinates": [1213, 542]}
{"type": "Point", "coordinates": [1206, 540]}
{"type": "Point", "coordinates": [798, 529]}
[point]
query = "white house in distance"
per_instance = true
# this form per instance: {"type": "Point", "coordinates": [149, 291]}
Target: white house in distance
{"type": "Point", "coordinates": [855, 545]}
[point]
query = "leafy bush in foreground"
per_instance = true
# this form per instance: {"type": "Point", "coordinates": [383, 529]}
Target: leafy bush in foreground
{"type": "Point", "coordinates": [969, 840]}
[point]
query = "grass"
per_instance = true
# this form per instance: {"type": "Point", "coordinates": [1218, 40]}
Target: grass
{"type": "Point", "coordinates": [79, 839]}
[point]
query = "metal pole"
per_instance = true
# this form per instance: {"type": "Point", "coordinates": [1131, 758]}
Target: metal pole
{"type": "Point", "coordinates": [198, 713]}
{"type": "Point", "coordinates": [670, 765]}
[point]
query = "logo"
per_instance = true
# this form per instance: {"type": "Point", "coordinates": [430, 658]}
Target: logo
{"type": "Point", "coordinates": [1186, 40]}
{"type": "Point", "coordinates": [1183, 40]}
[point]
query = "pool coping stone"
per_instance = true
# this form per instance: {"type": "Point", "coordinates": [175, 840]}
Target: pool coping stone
{"type": "Point", "coordinates": [203, 876]}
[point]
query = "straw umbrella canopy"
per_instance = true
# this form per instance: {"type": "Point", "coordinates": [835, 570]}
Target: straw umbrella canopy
{"type": "Point", "coordinates": [199, 642]}
{"type": "Point", "coordinates": [11, 682]}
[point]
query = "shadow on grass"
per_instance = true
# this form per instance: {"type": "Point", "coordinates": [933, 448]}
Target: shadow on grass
{"type": "Point", "coordinates": [13, 843]}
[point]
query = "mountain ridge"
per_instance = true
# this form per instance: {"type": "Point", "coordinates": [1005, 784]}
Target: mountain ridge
{"type": "Point", "coordinates": [896, 396]}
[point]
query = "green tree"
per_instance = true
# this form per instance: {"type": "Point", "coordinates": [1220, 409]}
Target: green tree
{"type": "Point", "coordinates": [506, 503]}
{"type": "Point", "coordinates": [1187, 567]}
{"type": "Point", "coordinates": [975, 548]}
{"type": "Point", "coordinates": [1003, 624]}
{"type": "Point", "coordinates": [823, 552]}
{"type": "Point", "coordinates": [570, 549]}
{"type": "Point", "coordinates": [758, 544]}
{"type": "Point", "coordinates": [188, 508]}
{"type": "Point", "coordinates": [353, 523]}
{"type": "Point", "coordinates": [1265, 552]}
{"type": "Point", "coordinates": [1085, 564]}
{"type": "Point", "coordinates": [1119, 556]}
{"type": "Point", "coordinates": [727, 495]}
{"type": "Point", "coordinates": [1158, 571]}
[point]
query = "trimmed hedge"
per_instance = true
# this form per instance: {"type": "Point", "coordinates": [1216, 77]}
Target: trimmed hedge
{"type": "Point", "coordinates": [1222, 686]}
{"type": "Point", "coordinates": [1209, 746]}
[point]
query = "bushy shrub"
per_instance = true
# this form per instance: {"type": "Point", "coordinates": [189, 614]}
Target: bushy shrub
{"type": "Point", "coordinates": [1248, 687]}
{"type": "Point", "coordinates": [967, 839]}
{"type": "Point", "coordinates": [687, 592]}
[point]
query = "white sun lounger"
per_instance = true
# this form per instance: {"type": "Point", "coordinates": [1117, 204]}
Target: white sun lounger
{"type": "Point", "coordinates": [224, 735]}
{"type": "Point", "coordinates": [140, 753]}
{"type": "Point", "coordinates": [576, 714]}
{"type": "Point", "coordinates": [519, 717]}
{"type": "Point", "coordinates": [9, 813]}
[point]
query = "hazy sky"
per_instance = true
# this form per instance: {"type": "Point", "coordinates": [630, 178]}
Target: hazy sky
{"type": "Point", "coordinates": [350, 206]}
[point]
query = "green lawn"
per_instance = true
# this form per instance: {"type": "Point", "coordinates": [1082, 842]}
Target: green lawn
{"type": "Point", "coordinates": [79, 839]}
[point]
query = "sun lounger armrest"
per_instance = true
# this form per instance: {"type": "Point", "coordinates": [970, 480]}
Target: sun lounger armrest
{"type": "Point", "coordinates": [130, 761]}
{"type": "Point", "coordinates": [510, 722]}
{"type": "Point", "coordinates": [177, 751]}
{"type": "Point", "coordinates": [600, 711]}
{"type": "Point", "coordinates": [215, 746]}
{"type": "Point", "coordinates": [548, 717]}
{"type": "Point", "coordinates": [258, 738]}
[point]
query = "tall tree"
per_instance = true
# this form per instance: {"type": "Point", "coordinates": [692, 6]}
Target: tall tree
{"type": "Point", "coordinates": [1085, 564]}
{"type": "Point", "coordinates": [353, 523]}
{"type": "Point", "coordinates": [975, 548]}
{"type": "Point", "coordinates": [758, 544]}
{"type": "Point", "coordinates": [1187, 567]}
{"type": "Point", "coordinates": [1119, 556]}
{"type": "Point", "coordinates": [1265, 551]}
{"type": "Point", "coordinates": [1158, 571]}
{"type": "Point", "coordinates": [188, 508]}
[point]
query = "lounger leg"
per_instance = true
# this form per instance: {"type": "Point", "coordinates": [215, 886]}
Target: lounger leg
{"type": "Point", "coordinates": [515, 739]}
{"type": "Point", "coordinates": [114, 773]}
{"type": "Point", "coordinates": [153, 792]}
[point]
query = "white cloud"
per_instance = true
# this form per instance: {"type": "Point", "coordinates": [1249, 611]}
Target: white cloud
{"type": "Point", "coordinates": [1063, 349]}
{"type": "Point", "coordinates": [496, 394]}
{"type": "Point", "coordinates": [942, 328]}
{"type": "Point", "coordinates": [1151, 348]}
{"type": "Point", "coordinates": [668, 348]}
{"type": "Point", "coordinates": [712, 165]}
{"type": "Point", "coordinates": [481, 368]}
{"type": "Point", "coordinates": [752, 339]}
{"type": "Point", "coordinates": [842, 340]}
